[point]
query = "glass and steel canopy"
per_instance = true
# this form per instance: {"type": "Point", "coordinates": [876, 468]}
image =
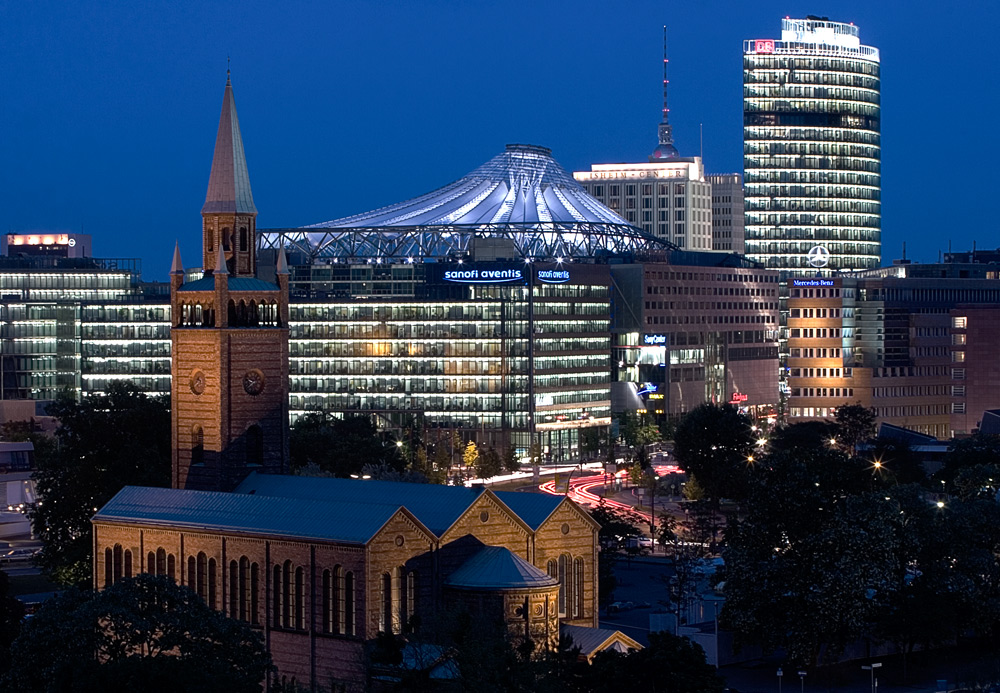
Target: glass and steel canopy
{"type": "Point", "coordinates": [522, 195]}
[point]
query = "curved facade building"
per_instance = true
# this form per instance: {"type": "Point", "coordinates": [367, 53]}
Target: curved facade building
{"type": "Point", "coordinates": [811, 148]}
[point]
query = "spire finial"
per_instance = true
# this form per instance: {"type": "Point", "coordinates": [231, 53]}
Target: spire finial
{"type": "Point", "coordinates": [176, 266]}
{"type": "Point", "coordinates": [220, 263]}
{"type": "Point", "coordinates": [282, 264]}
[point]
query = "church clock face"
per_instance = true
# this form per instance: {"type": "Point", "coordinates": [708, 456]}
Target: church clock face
{"type": "Point", "coordinates": [253, 382]}
{"type": "Point", "coordinates": [197, 381]}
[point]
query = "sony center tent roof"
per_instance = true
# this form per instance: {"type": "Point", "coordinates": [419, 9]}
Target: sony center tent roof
{"type": "Point", "coordinates": [522, 194]}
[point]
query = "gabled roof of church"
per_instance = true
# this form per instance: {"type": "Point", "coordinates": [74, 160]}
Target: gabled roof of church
{"type": "Point", "coordinates": [229, 182]}
{"type": "Point", "coordinates": [498, 568]}
{"type": "Point", "coordinates": [594, 640]}
{"type": "Point", "coordinates": [436, 506]}
{"type": "Point", "coordinates": [341, 521]}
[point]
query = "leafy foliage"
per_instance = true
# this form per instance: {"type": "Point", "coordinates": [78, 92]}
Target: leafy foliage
{"type": "Point", "coordinates": [968, 452]}
{"type": "Point", "coordinates": [11, 613]}
{"type": "Point", "coordinates": [341, 447]}
{"type": "Point", "coordinates": [855, 425]}
{"type": "Point", "coordinates": [105, 442]}
{"type": "Point", "coordinates": [144, 633]}
{"type": "Point", "coordinates": [814, 557]}
{"type": "Point", "coordinates": [713, 443]}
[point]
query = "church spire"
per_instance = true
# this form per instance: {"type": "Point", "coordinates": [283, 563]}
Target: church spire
{"type": "Point", "coordinates": [665, 149]}
{"type": "Point", "coordinates": [229, 217]}
{"type": "Point", "coordinates": [229, 183]}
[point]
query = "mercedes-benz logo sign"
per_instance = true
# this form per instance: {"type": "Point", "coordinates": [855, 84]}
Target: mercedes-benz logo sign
{"type": "Point", "coordinates": [818, 256]}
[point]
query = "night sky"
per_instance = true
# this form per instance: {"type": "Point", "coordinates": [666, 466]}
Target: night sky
{"type": "Point", "coordinates": [109, 109]}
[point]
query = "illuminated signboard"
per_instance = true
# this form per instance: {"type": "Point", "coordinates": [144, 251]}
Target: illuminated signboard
{"type": "Point", "coordinates": [812, 282]}
{"type": "Point", "coordinates": [553, 276]}
{"type": "Point", "coordinates": [483, 276]}
{"type": "Point", "coordinates": [41, 239]}
{"type": "Point", "coordinates": [763, 46]}
{"type": "Point", "coordinates": [654, 339]}
{"type": "Point", "coordinates": [739, 398]}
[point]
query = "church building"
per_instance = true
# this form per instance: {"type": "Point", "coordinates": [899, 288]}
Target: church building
{"type": "Point", "coordinates": [319, 565]}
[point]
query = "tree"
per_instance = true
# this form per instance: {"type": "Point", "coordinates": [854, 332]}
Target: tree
{"type": "Point", "coordinates": [143, 633]}
{"type": "Point", "coordinates": [815, 556]}
{"type": "Point", "coordinates": [105, 442]}
{"type": "Point", "coordinates": [511, 463]}
{"type": "Point", "coordinates": [342, 446]}
{"type": "Point", "coordinates": [488, 464]}
{"type": "Point", "coordinates": [714, 443]}
{"type": "Point", "coordinates": [11, 613]}
{"type": "Point", "coordinates": [977, 449]}
{"type": "Point", "coordinates": [855, 425]}
{"type": "Point", "coordinates": [29, 431]}
{"type": "Point", "coordinates": [470, 456]}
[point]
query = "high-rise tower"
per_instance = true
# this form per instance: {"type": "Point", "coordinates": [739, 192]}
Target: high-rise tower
{"type": "Point", "coordinates": [665, 149]}
{"type": "Point", "coordinates": [229, 392]}
{"type": "Point", "coordinates": [811, 148]}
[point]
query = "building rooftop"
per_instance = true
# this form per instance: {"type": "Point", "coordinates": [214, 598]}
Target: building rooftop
{"type": "Point", "coordinates": [522, 185]}
{"type": "Point", "coordinates": [436, 506]}
{"type": "Point", "coordinates": [341, 521]}
{"type": "Point", "coordinates": [497, 568]}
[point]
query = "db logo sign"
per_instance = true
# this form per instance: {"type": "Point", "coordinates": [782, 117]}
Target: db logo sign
{"type": "Point", "coordinates": [764, 46]}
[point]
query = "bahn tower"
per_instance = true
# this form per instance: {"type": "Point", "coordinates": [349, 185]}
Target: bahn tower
{"type": "Point", "coordinates": [229, 392]}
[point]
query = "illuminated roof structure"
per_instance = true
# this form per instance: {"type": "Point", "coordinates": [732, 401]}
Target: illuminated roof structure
{"type": "Point", "coordinates": [522, 195]}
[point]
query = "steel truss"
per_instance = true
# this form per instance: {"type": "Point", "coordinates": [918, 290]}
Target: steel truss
{"type": "Point", "coordinates": [532, 241]}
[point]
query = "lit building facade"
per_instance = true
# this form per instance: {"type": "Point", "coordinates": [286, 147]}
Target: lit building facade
{"type": "Point", "coordinates": [668, 199]}
{"type": "Point", "coordinates": [812, 148]}
{"type": "Point", "coordinates": [76, 324]}
{"type": "Point", "coordinates": [727, 211]}
{"type": "Point", "coordinates": [899, 340]}
{"type": "Point", "coordinates": [495, 349]}
{"type": "Point", "coordinates": [702, 328]}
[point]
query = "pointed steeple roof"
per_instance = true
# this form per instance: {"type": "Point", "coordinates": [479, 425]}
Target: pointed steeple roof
{"type": "Point", "coordinates": [177, 267]}
{"type": "Point", "coordinates": [229, 182]}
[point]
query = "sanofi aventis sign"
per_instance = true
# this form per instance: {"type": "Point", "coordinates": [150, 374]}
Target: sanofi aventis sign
{"type": "Point", "coordinates": [475, 275]}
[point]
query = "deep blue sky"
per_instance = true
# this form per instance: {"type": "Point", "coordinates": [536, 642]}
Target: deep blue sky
{"type": "Point", "coordinates": [109, 109]}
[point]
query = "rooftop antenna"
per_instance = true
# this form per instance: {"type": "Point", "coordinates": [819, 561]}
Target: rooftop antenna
{"type": "Point", "coordinates": [701, 141]}
{"type": "Point", "coordinates": [665, 148]}
{"type": "Point", "coordinates": [904, 250]}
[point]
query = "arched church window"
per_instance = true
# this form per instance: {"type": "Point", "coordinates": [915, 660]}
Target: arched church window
{"type": "Point", "coordinates": [197, 445]}
{"type": "Point", "coordinates": [209, 240]}
{"type": "Point", "coordinates": [255, 445]}
{"type": "Point", "coordinates": [232, 313]}
{"type": "Point", "coordinates": [253, 319]}
{"type": "Point", "coordinates": [243, 239]}
{"type": "Point", "coordinates": [226, 238]}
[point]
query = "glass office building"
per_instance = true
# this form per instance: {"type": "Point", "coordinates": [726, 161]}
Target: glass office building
{"type": "Point", "coordinates": [812, 148]}
{"type": "Point", "coordinates": [75, 324]}
{"type": "Point", "coordinates": [493, 349]}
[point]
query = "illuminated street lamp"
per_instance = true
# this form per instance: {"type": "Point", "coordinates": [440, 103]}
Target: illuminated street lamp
{"type": "Point", "coordinates": [802, 679]}
{"type": "Point", "coordinates": [780, 674]}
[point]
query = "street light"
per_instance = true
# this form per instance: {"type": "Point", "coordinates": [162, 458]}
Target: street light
{"type": "Point", "coordinates": [872, 667]}
{"type": "Point", "coordinates": [802, 678]}
{"type": "Point", "coordinates": [780, 674]}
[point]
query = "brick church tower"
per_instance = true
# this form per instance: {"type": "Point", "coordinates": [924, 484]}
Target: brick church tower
{"type": "Point", "coordinates": [229, 338]}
